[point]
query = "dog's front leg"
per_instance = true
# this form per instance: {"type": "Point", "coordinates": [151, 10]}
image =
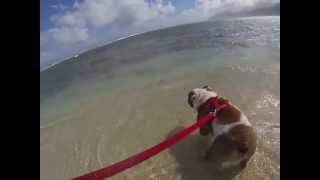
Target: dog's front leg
{"type": "Point", "coordinates": [208, 152]}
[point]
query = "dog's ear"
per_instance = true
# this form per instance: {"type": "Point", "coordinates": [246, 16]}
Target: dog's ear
{"type": "Point", "coordinates": [208, 88]}
{"type": "Point", "coordinates": [190, 100]}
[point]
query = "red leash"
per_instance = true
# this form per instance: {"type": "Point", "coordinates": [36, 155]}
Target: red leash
{"type": "Point", "coordinates": [140, 157]}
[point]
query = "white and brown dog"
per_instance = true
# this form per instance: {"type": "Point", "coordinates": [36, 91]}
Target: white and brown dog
{"type": "Point", "coordinates": [233, 137]}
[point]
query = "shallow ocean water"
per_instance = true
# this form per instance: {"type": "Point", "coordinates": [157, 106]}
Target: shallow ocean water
{"type": "Point", "coordinates": [115, 101]}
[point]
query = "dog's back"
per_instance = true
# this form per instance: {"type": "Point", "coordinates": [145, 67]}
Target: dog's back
{"type": "Point", "coordinates": [238, 138]}
{"type": "Point", "coordinates": [233, 138]}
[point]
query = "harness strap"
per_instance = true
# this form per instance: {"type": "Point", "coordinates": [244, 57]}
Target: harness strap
{"type": "Point", "coordinates": [215, 102]}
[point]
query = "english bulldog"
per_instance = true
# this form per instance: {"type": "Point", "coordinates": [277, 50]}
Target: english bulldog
{"type": "Point", "coordinates": [232, 136]}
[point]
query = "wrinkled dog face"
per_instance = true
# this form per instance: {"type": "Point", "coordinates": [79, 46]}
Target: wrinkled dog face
{"type": "Point", "coordinates": [197, 96]}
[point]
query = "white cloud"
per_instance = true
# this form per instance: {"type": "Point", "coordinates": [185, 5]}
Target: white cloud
{"type": "Point", "coordinates": [98, 13]}
{"type": "Point", "coordinates": [205, 9]}
{"type": "Point", "coordinates": [59, 7]}
{"type": "Point", "coordinates": [43, 39]}
{"type": "Point", "coordinates": [83, 24]}
{"type": "Point", "coordinates": [72, 26]}
{"type": "Point", "coordinates": [69, 35]}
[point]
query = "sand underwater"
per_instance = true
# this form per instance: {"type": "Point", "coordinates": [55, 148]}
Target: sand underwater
{"type": "Point", "coordinates": [120, 99]}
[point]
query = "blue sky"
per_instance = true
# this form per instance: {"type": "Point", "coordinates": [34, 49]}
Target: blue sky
{"type": "Point", "coordinates": [68, 27]}
{"type": "Point", "coordinates": [46, 10]}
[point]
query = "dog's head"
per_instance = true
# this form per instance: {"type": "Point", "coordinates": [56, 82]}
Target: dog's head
{"type": "Point", "coordinates": [198, 96]}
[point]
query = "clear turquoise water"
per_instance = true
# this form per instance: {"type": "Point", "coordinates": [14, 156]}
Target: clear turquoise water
{"type": "Point", "coordinates": [118, 100]}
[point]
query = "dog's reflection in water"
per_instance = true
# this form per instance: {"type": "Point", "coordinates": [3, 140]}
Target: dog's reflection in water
{"type": "Point", "coordinates": [191, 164]}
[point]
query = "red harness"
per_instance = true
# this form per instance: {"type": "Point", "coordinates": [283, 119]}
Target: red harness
{"type": "Point", "coordinates": [214, 101]}
{"type": "Point", "coordinates": [140, 157]}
